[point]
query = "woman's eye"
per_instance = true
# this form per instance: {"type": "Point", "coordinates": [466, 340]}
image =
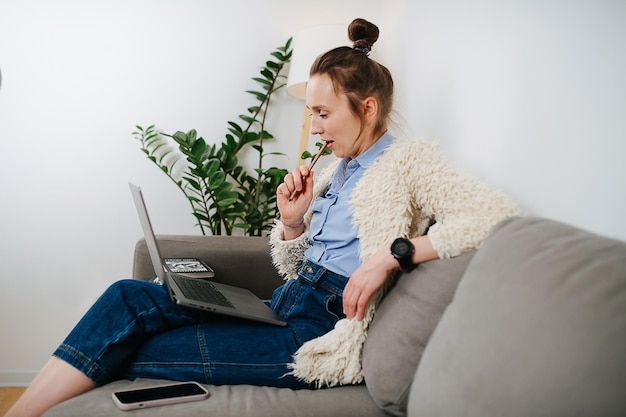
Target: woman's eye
{"type": "Point", "coordinates": [323, 115]}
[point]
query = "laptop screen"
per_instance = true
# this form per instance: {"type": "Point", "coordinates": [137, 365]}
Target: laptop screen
{"type": "Point", "coordinates": [148, 233]}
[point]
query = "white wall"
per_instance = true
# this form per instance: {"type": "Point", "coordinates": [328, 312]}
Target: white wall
{"type": "Point", "coordinates": [527, 96]}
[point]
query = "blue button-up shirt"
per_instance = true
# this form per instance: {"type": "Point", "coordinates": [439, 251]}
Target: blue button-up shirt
{"type": "Point", "coordinates": [333, 237]}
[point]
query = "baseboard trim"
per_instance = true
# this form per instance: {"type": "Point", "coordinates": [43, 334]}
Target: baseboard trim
{"type": "Point", "coordinates": [16, 377]}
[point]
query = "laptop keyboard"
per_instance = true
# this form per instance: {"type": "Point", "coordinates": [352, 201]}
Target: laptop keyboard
{"type": "Point", "coordinates": [202, 291]}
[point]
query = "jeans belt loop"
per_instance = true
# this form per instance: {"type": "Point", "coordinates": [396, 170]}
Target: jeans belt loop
{"type": "Point", "coordinates": [315, 274]}
{"type": "Point", "coordinates": [318, 275]}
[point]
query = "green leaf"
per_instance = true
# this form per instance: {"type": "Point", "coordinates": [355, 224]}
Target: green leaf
{"type": "Point", "coordinates": [236, 127]}
{"type": "Point", "coordinates": [250, 137]}
{"type": "Point", "coordinates": [263, 81]}
{"type": "Point", "coordinates": [211, 166]}
{"type": "Point", "coordinates": [201, 216]}
{"type": "Point", "coordinates": [216, 180]}
{"type": "Point", "coordinates": [228, 161]}
{"type": "Point", "coordinates": [226, 187]}
{"type": "Point", "coordinates": [247, 119]}
{"type": "Point", "coordinates": [278, 55]}
{"type": "Point", "coordinates": [225, 202]}
{"type": "Point", "coordinates": [193, 183]}
{"type": "Point", "coordinates": [230, 142]}
{"type": "Point", "coordinates": [234, 132]}
{"type": "Point", "coordinates": [260, 96]}
{"type": "Point", "coordinates": [191, 137]}
{"type": "Point", "coordinates": [198, 148]}
{"type": "Point", "coordinates": [180, 137]}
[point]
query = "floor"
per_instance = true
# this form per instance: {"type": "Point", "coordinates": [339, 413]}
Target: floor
{"type": "Point", "coordinates": [8, 396]}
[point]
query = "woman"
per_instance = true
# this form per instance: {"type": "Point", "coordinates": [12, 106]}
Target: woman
{"type": "Point", "coordinates": [332, 243]}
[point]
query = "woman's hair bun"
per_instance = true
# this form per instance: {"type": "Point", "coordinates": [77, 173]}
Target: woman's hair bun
{"type": "Point", "coordinates": [363, 34]}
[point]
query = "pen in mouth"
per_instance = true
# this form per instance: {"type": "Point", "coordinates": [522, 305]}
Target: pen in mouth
{"type": "Point", "coordinates": [321, 151]}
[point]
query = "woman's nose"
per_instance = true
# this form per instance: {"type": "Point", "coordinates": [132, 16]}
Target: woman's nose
{"type": "Point", "coordinates": [316, 128]}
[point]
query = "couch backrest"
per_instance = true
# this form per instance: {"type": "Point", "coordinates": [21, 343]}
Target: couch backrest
{"type": "Point", "coordinates": [537, 327]}
{"type": "Point", "coordinates": [242, 261]}
{"type": "Point", "coordinates": [402, 326]}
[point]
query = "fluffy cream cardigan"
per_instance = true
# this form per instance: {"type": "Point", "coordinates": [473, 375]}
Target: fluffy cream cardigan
{"type": "Point", "coordinates": [409, 191]}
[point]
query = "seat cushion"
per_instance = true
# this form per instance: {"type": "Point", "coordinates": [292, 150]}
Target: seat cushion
{"type": "Point", "coordinates": [230, 401]}
{"type": "Point", "coordinates": [537, 327]}
{"type": "Point", "coordinates": [402, 326]}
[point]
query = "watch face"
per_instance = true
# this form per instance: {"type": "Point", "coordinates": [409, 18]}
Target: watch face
{"type": "Point", "coordinates": [401, 248]}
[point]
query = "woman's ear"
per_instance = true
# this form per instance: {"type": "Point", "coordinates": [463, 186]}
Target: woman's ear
{"type": "Point", "coordinates": [370, 110]}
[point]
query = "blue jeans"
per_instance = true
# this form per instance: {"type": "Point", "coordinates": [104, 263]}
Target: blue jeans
{"type": "Point", "coordinates": [134, 330]}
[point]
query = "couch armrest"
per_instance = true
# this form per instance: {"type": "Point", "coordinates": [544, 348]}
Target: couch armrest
{"type": "Point", "coordinates": [237, 260]}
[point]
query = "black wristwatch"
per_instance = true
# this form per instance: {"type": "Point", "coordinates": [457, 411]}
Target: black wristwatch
{"type": "Point", "coordinates": [402, 249]}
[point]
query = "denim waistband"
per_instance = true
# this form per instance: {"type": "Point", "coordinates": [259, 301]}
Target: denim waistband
{"type": "Point", "coordinates": [317, 276]}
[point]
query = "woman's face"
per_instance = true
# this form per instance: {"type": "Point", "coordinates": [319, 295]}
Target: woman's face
{"type": "Point", "coordinates": [333, 120]}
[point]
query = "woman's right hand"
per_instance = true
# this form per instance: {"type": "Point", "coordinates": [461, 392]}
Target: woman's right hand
{"type": "Point", "coordinates": [292, 212]}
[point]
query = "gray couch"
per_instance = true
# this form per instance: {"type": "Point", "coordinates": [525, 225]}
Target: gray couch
{"type": "Point", "coordinates": [531, 324]}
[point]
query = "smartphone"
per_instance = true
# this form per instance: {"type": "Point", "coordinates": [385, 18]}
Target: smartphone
{"type": "Point", "coordinates": [159, 395]}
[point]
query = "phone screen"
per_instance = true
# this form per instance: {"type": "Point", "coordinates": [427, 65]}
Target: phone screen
{"type": "Point", "coordinates": [157, 393]}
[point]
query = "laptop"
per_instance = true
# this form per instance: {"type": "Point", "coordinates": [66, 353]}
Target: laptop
{"type": "Point", "coordinates": [199, 293]}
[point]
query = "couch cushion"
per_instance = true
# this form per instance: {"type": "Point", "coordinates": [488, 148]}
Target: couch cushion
{"type": "Point", "coordinates": [537, 327]}
{"type": "Point", "coordinates": [230, 401]}
{"type": "Point", "coordinates": [402, 326]}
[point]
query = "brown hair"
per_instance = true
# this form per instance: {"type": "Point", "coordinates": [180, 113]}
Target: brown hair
{"type": "Point", "coordinates": [357, 76]}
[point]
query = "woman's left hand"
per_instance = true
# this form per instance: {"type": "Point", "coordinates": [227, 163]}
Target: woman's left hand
{"type": "Point", "coordinates": [365, 281]}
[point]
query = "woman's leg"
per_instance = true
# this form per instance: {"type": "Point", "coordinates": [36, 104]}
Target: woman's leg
{"type": "Point", "coordinates": [56, 382]}
{"type": "Point", "coordinates": [126, 315]}
{"type": "Point", "coordinates": [103, 342]}
{"type": "Point", "coordinates": [221, 351]}
{"type": "Point", "coordinates": [230, 351]}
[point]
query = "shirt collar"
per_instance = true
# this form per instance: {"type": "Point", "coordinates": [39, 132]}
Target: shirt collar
{"type": "Point", "coordinates": [368, 157]}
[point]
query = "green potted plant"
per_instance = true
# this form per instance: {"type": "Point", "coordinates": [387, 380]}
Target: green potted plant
{"type": "Point", "coordinates": [223, 195]}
